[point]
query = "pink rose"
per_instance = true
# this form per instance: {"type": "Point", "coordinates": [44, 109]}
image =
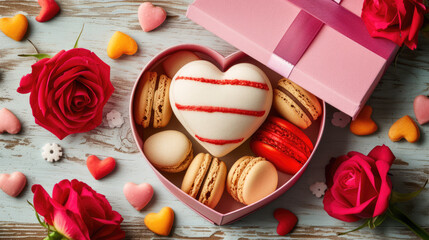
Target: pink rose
{"type": "Point", "coordinates": [397, 20]}
{"type": "Point", "coordinates": [68, 91]}
{"type": "Point", "coordinates": [358, 185]}
{"type": "Point", "coordinates": [78, 212]}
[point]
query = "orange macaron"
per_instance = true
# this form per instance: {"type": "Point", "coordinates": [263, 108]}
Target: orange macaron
{"type": "Point", "coordinates": [250, 179]}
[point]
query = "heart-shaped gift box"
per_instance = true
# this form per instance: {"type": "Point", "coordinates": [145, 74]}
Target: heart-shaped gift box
{"type": "Point", "coordinates": [228, 209]}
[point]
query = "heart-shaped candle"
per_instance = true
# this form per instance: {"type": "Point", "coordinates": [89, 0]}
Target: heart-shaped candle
{"type": "Point", "coordinates": [220, 110]}
{"type": "Point", "coordinates": [228, 209]}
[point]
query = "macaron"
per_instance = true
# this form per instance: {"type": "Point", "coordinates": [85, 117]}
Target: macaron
{"type": "Point", "coordinates": [169, 151]}
{"type": "Point", "coordinates": [250, 179]}
{"type": "Point", "coordinates": [205, 179]}
{"type": "Point", "coordinates": [177, 60]}
{"type": "Point", "coordinates": [283, 144]}
{"type": "Point", "coordinates": [152, 102]}
{"type": "Point", "coordinates": [296, 104]}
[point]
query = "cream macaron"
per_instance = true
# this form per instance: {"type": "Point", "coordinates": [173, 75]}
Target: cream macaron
{"type": "Point", "coordinates": [177, 60]}
{"type": "Point", "coordinates": [152, 102]}
{"type": "Point", "coordinates": [295, 104]}
{"type": "Point", "coordinates": [250, 179]}
{"type": "Point", "coordinates": [169, 151]}
{"type": "Point", "coordinates": [205, 179]}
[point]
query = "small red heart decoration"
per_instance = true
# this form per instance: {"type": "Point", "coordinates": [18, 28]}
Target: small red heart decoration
{"type": "Point", "coordinates": [287, 221]}
{"type": "Point", "coordinates": [100, 168]}
{"type": "Point", "coordinates": [12, 184]}
{"type": "Point", "coordinates": [49, 9]}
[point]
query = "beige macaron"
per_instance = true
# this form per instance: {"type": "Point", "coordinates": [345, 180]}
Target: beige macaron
{"type": "Point", "coordinates": [250, 179]}
{"type": "Point", "coordinates": [205, 179]}
{"type": "Point", "coordinates": [177, 60]}
{"type": "Point", "coordinates": [152, 102]}
{"type": "Point", "coordinates": [295, 104]}
{"type": "Point", "coordinates": [169, 151]}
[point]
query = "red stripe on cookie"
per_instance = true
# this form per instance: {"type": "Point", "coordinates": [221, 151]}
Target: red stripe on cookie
{"type": "Point", "coordinates": [211, 109]}
{"type": "Point", "coordinates": [218, 141]}
{"type": "Point", "coordinates": [236, 82]}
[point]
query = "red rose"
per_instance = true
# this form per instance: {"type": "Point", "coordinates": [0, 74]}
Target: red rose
{"type": "Point", "coordinates": [78, 212]}
{"type": "Point", "coordinates": [397, 20]}
{"type": "Point", "coordinates": [68, 91]}
{"type": "Point", "coordinates": [358, 185]}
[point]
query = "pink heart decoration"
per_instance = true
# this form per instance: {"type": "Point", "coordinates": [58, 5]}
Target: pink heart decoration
{"type": "Point", "coordinates": [150, 17]}
{"type": "Point", "coordinates": [421, 109]}
{"type": "Point", "coordinates": [9, 122]}
{"type": "Point", "coordinates": [12, 184]}
{"type": "Point", "coordinates": [138, 195]}
{"type": "Point", "coordinates": [228, 210]}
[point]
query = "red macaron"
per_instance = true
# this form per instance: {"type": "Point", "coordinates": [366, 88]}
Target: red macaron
{"type": "Point", "coordinates": [282, 143]}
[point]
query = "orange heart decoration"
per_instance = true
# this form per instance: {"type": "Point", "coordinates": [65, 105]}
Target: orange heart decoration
{"type": "Point", "coordinates": [363, 124]}
{"type": "Point", "coordinates": [119, 44]}
{"type": "Point", "coordinates": [160, 223]}
{"type": "Point", "coordinates": [406, 128]}
{"type": "Point", "coordinates": [15, 27]}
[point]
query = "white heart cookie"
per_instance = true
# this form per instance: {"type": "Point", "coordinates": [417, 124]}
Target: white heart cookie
{"type": "Point", "coordinates": [220, 110]}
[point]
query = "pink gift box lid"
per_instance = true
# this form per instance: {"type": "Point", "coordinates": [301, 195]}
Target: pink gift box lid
{"type": "Point", "coordinates": [334, 67]}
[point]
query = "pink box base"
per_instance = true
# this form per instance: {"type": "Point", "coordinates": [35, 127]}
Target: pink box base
{"type": "Point", "coordinates": [228, 210]}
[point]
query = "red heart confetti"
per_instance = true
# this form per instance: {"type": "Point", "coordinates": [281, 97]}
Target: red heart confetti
{"type": "Point", "coordinates": [49, 9]}
{"type": "Point", "coordinates": [100, 168]}
{"type": "Point", "coordinates": [287, 221]}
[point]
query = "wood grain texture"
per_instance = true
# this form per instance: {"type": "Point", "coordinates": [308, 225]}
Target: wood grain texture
{"type": "Point", "coordinates": [391, 100]}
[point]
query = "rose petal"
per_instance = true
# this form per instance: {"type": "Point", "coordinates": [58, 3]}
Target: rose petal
{"type": "Point", "coordinates": [49, 124]}
{"type": "Point", "coordinates": [385, 189]}
{"type": "Point", "coordinates": [331, 168]}
{"type": "Point", "coordinates": [70, 225]}
{"type": "Point", "coordinates": [110, 227]}
{"type": "Point", "coordinates": [382, 153]}
{"type": "Point", "coordinates": [92, 205]}
{"type": "Point", "coordinates": [42, 203]}
{"type": "Point", "coordinates": [396, 20]}
{"type": "Point", "coordinates": [341, 212]}
{"type": "Point", "coordinates": [330, 207]}
{"type": "Point", "coordinates": [61, 192]}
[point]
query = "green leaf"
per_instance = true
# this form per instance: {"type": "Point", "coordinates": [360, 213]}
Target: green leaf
{"type": "Point", "coordinates": [55, 236]}
{"type": "Point", "coordinates": [366, 223]}
{"type": "Point", "coordinates": [39, 56]}
{"type": "Point", "coordinates": [77, 40]}
{"type": "Point", "coordinates": [376, 221]}
{"type": "Point", "coordinates": [404, 197]}
{"type": "Point", "coordinates": [399, 216]}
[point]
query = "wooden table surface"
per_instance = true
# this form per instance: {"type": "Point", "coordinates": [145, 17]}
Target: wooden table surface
{"type": "Point", "coordinates": [391, 100]}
